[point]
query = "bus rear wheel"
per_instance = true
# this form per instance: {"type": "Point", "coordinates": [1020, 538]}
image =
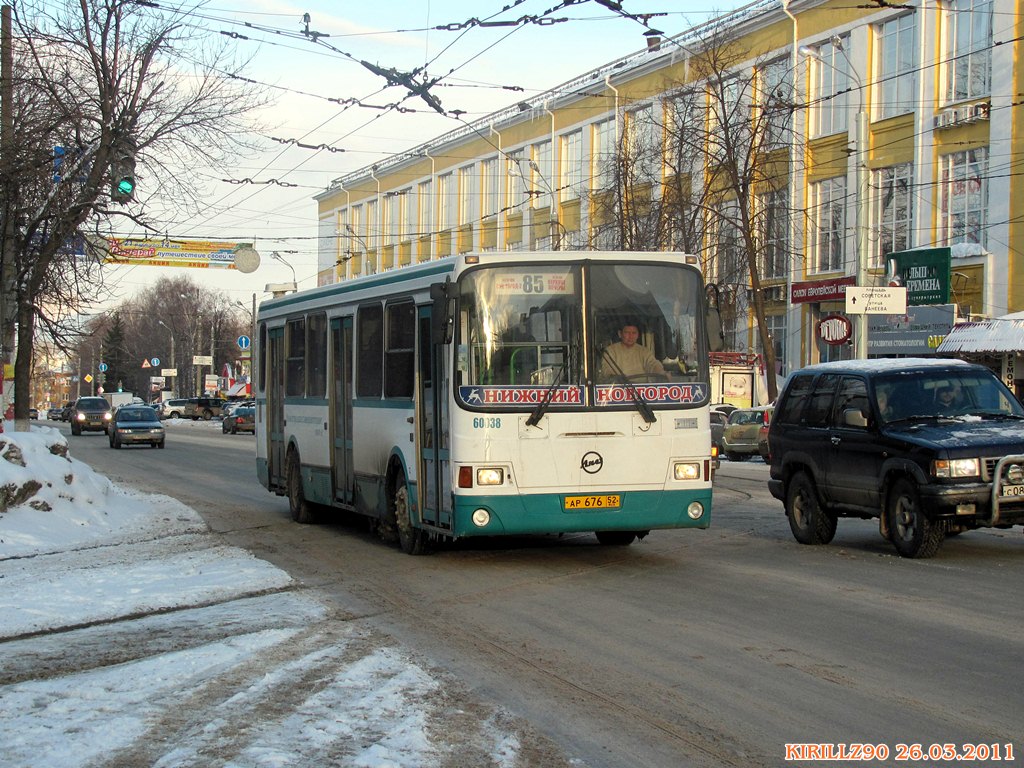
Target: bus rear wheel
{"type": "Point", "coordinates": [412, 540]}
{"type": "Point", "coordinates": [301, 510]}
{"type": "Point", "coordinates": [615, 538]}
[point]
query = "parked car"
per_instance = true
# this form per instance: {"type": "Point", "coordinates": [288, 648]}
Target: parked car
{"type": "Point", "coordinates": [90, 414]}
{"type": "Point", "coordinates": [762, 436]}
{"type": "Point", "coordinates": [133, 424]}
{"type": "Point", "coordinates": [203, 408]}
{"type": "Point", "coordinates": [173, 409]}
{"type": "Point", "coordinates": [877, 439]}
{"type": "Point", "coordinates": [718, 420]}
{"type": "Point", "coordinates": [33, 413]}
{"type": "Point", "coordinates": [231, 405]}
{"type": "Point", "coordinates": [739, 438]}
{"type": "Point", "coordinates": [54, 414]}
{"type": "Point", "coordinates": [242, 420]}
{"type": "Point", "coordinates": [65, 410]}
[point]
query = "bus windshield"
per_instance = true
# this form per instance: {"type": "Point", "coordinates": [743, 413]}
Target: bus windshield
{"type": "Point", "coordinates": [579, 333]}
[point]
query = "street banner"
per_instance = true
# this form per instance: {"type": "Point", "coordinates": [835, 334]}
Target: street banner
{"type": "Point", "coordinates": [200, 254]}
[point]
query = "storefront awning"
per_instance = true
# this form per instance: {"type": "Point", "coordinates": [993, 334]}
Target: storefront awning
{"type": "Point", "coordinates": [1000, 334]}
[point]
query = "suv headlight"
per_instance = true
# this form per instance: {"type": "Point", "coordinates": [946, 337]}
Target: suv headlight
{"type": "Point", "coordinates": [952, 468]}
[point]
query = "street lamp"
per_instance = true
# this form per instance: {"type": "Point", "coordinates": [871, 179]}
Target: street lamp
{"type": "Point", "coordinates": [861, 152]}
{"type": "Point", "coordinates": [170, 332]}
{"type": "Point", "coordinates": [278, 257]}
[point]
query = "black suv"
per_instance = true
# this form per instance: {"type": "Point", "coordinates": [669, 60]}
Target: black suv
{"type": "Point", "coordinates": [930, 447]}
{"type": "Point", "coordinates": [90, 413]}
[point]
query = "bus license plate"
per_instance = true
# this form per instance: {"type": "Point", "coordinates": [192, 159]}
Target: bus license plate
{"type": "Point", "coordinates": [610, 501]}
{"type": "Point", "coordinates": [1013, 490]}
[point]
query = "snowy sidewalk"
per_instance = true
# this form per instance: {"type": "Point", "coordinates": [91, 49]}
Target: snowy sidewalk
{"type": "Point", "coordinates": [129, 636]}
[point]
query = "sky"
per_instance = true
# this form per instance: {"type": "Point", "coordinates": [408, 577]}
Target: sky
{"type": "Point", "coordinates": [126, 626]}
{"type": "Point", "coordinates": [482, 70]}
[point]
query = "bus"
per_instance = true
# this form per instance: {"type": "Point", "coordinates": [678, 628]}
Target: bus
{"type": "Point", "coordinates": [474, 395]}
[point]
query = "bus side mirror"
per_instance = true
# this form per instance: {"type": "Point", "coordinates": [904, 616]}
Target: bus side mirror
{"type": "Point", "coordinates": [442, 321]}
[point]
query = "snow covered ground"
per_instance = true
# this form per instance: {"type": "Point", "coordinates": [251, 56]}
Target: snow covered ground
{"type": "Point", "coordinates": [129, 636]}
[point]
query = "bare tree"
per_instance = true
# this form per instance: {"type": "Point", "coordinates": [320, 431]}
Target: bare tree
{"type": "Point", "coordinates": [709, 173]}
{"type": "Point", "coordinates": [123, 88]}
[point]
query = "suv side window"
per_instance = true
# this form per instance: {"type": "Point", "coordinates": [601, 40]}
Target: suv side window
{"type": "Point", "coordinates": [821, 401]}
{"type": "Point", "coordinates": [796, 398]}
{"type": "Point", "coordinates": [853, 395]}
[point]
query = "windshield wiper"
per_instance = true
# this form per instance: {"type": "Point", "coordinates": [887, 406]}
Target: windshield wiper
{"type": "Point", "coordinates": [542, 406]}
{"type": "Point", "coordinates": [636, 397]}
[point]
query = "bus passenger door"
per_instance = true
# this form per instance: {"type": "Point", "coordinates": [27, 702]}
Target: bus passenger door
{"type": "Point", "coordinates": [275, 408]}
{"type": "Point", "coordinates": [341, 408]}
{"type": "Point", "coordinates": [434, 484]}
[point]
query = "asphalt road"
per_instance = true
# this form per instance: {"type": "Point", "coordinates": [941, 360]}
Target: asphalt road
{"type": "Point", "coordinates": [690, 648]}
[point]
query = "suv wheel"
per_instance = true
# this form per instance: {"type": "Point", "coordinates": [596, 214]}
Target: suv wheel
{"type": "Point", "coordinates": [809, 523]}
{"type": "Point", "coordinates": [207, 414]}
{"type": "Point", "coordinates": [912, 533]}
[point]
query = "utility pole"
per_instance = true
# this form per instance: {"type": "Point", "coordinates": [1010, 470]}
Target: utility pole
{"type": "Point", "coordinates": [7, 253]}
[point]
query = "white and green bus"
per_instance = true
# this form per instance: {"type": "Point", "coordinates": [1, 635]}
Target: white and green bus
{"type": "Point", "coordinates": [474, 396]}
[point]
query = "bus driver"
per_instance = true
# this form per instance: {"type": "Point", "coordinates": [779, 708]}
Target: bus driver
{"type": "Point", "coordinates": [625, 358]}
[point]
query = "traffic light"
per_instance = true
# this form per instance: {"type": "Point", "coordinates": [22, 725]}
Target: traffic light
{"type": "Point", "coordinates": [122, 172]}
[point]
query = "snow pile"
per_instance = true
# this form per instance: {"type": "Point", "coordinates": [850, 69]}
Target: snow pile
{"type": "Point", "coordinates": [50, 502]}
{"type": "Point", "coordinates": [129, 635]}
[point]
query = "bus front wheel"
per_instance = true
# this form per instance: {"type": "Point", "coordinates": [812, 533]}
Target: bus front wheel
{"type": "Point", "coordinates": [412, 540]}
{"type": "Point", "coordinates": [301, 510]}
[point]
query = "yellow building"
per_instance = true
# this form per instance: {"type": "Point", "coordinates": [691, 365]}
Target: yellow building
{"type": "Point", "coordinates": [794, 146]}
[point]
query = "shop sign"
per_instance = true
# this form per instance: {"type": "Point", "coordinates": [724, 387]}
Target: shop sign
{"type": "Point", "coordinates": [918, 332]}
{"type": "Point", "coordinates": [835, 329]}
{"type": "Point", "coordinates": [924, 273]}
{"type": "Point", "coordinates": [817, 291]}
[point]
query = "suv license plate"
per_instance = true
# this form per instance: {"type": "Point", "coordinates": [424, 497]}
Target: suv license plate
{"type": "Point", "coordinates": [610, 501]}
{"type": "Point", "coordinates": [1013, 490]}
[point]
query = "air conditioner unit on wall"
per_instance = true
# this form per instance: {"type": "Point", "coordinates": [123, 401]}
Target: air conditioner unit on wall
{"type": "Point", "coordinates": [981, 110]}
{"type": "Point", "coordinates": [944, 119]}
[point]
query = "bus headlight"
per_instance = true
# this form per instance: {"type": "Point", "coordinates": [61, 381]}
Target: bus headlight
{"type": "Point", "coordinates": [490, 476]}
{"type": "Point", "coordinates": [695, 510]}
{"type": "Point", "coordinates": [481, 517]}
{"type": "Point", "coordinates": [686, 470]}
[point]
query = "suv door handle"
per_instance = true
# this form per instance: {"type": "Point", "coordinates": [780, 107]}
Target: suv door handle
{"type": "Point", "coordinates": [836, 440]}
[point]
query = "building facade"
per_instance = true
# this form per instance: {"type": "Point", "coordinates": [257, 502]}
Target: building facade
{"type": "Point", "coordinates": [793, 146]}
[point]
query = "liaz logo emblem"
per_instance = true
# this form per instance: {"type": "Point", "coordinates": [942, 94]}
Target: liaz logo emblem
{"type": "Point", "coordinates": [591, 462]}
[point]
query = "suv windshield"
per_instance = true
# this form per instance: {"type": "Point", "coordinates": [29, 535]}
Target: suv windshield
{"type": "Point", "coordinates": [943, 393]}
{"type": "Point", "coordinates": [93, 403]}
{"type": "Point", "coordinates": [591, 333]}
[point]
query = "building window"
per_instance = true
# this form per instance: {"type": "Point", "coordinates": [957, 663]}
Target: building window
{"type": "Point", "coordinates": [445, 201]}
{"type": "Point", "coordinates": [518, 181]}
{"type": "Point", "coordinates": [831, 83]}
{"type": "Point", "coordinates": [644, 146]}
{"type": "Point", "coordinates": [893, 211]}
{"type": "Point", "coordinates": [407, 203]}
{"type": "Point", "coordinates": [777, 104]}
{"type": "Point", "coordinates": [897, 67]}
{"type": "Point", "coordinates": [774, 228]}
{"type": "Point", "coordinates": [963, 196]}
{"type": "Point", "coordinates": [571, 165]}
{"type": "Point", "coordinates": [391, 218]}
{"type": "Point", "coordinates": [491, 185]}
{"type": "Point", "coordinates": [467, 194]}
{"type": "Point", "coordinates": [426, 208]}
{"type": "Point", "coordinates": [542, 176]}
{"type": "Point", "coordinates": [604, 143]}
{"type": "Point", "coordinates": [828, 221]}
{"type": "Point", "coordinates": [730, 262]}
{"type": "Point", "coordinates": [969, 49]}
{"type": "Point", "coordinates": [777, 333]}
{"type": "Point", "coordinates": [372, 225]}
